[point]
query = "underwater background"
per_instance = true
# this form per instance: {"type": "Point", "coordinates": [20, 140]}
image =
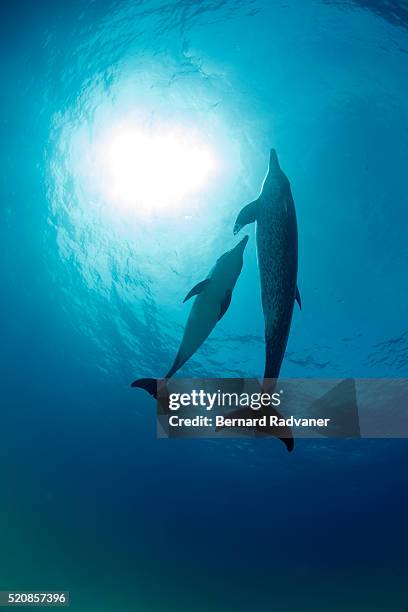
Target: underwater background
{"type": "Point", "coordinates": [92, 285]}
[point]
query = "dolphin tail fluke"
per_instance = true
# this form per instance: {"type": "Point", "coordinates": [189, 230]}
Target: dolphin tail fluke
{"type": "Point", "coordinates": [340, 406]}
{"type": "Point", "coordinates": [289, 443]}
{"type": "Point", "coordinates": [283, 433]}
{"type": "Point", "coordinates": [148, 384]}
{"type": "Point", "coordinates": [247, 215]}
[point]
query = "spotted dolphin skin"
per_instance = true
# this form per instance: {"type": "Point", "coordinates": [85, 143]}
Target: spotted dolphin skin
{"type": "Point", "coordinates": [277, 248]}
{"type": "Point", "coordinates": [212, 302]}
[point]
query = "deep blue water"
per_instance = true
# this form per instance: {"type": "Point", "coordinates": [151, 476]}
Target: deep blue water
{"type": "Point", "coordinates": [92, 287]}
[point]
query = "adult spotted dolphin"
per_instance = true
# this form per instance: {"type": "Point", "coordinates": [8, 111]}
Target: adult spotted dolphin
{"type": "Point", "coordinates": [277, 248]}
{"type": "Point", "coordinates": [212, 302]}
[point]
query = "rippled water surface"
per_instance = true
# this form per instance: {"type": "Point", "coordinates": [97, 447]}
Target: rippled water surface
{"type": "Point", "coordinates": [98, 254]}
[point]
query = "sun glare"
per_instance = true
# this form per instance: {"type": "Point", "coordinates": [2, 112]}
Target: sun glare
{"type": "Point", "coordinates": [153, 170]}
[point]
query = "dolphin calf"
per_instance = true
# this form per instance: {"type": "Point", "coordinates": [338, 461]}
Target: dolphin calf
{"type": "Point", "coordinates": [212, 302]}
{"type": "Point", "coordinates": [277, 249]}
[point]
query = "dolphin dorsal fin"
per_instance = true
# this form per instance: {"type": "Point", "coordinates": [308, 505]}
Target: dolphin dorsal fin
{"type": "Point", "coordinates": [197, 289]}
{"type": "Point", "coordinates": [247, 215]}
{"type": "Point", "coordinates": [299, 301]}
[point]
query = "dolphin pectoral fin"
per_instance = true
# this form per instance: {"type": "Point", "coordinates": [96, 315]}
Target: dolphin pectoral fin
{"type": "Point", "coordinates": [225, 304]}
{"type": "Point", "coordinates": [197, 289]}
{"type": "Point", "coordinates": [148, 384]}
{"type": "Point", "coordinates": [247, 215]}
{"type": "Point", "coordinates": [299, 301]}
